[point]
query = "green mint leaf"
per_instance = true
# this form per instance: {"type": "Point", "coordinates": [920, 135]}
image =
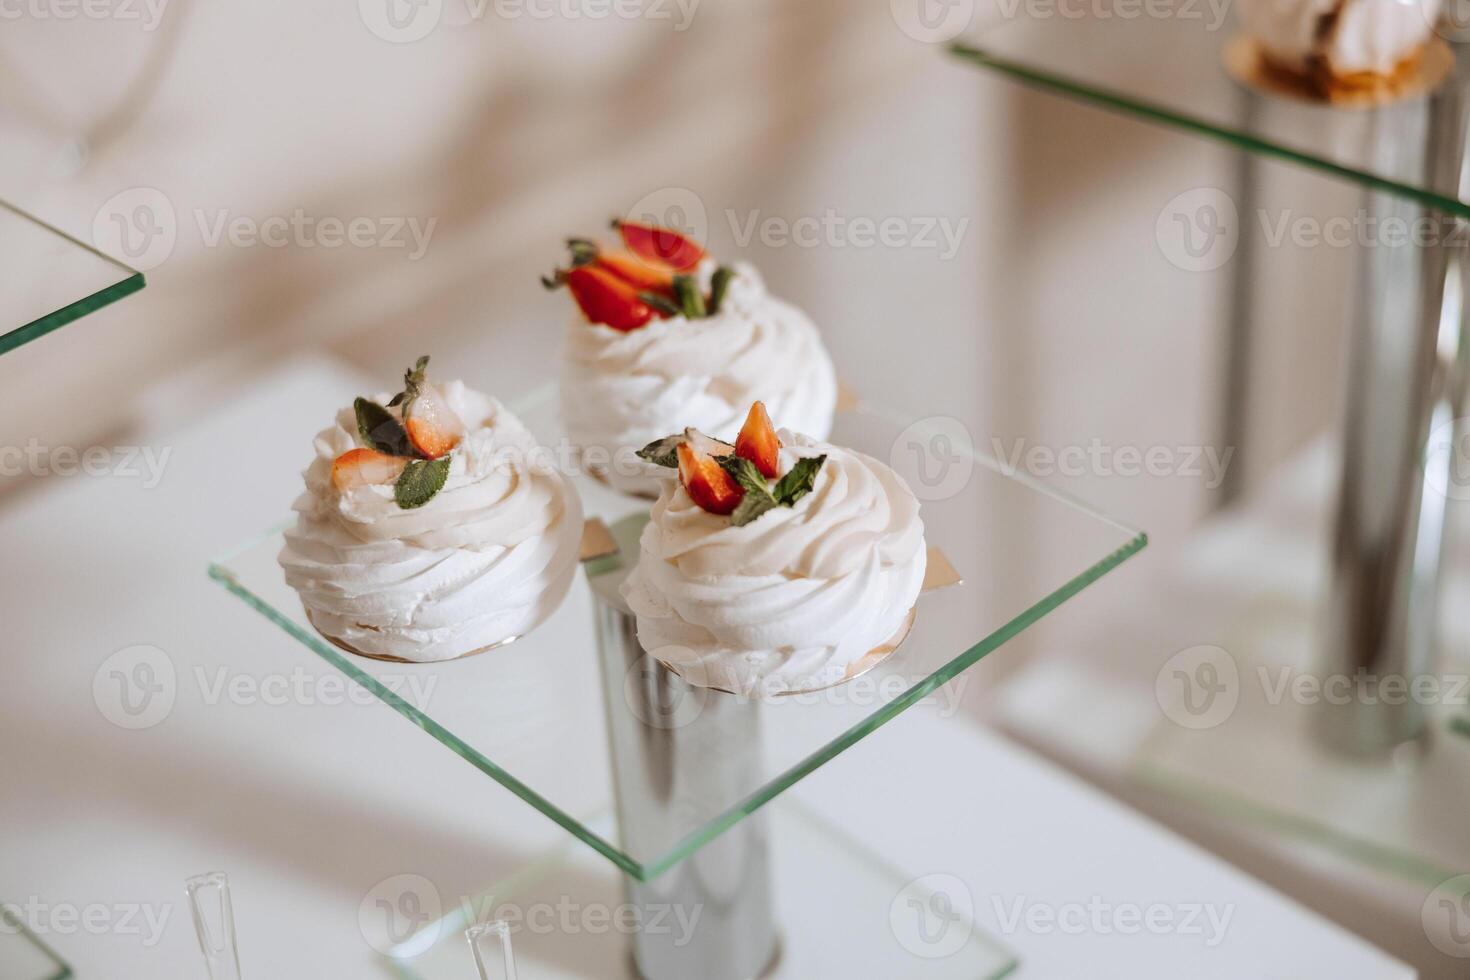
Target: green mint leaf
{"type": "Point", "coordinates": [380, 430]}
{"type": "Point", "coordinates": [799, 480]}
{"type": "Point", "coordinates": [751, 506]}
{"type": "Point", "coordinates": [757, 499]}
{"type": "Point", "coordinates": [660, 303]}
{"type": "Point", "coordinates": [691, 300]}
{"type": "Point", "coordinates": [751, 480]}
{"type": "Point", "coordinates": [664, 452]}
{"type": "Point", "coordinates": [420, 481]}
{"type": "Point", "coordinates": [719, 285]}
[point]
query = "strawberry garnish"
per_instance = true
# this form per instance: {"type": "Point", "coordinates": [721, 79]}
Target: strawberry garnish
{"type": "Point", "coordinates": [624, 289]}
{"type": "Point", "coordinates": [605, 298]}
{"type": "Point", "coordinates": [736, 480]}
{"type": "Point", "coordinates": [660, 246]}
{"type": "Point", "coordinates": [408, 447]}
{"type": "Point", "coordinates": [758, 443]}
{"type": "Point", "coordinates": [365, 467]}
{"type": "Point", "coordinates": [433, 427]}
{"type": "Point", "coordinates": [707, 483]}
{"type": "Point", "coordinates": [637, 273]}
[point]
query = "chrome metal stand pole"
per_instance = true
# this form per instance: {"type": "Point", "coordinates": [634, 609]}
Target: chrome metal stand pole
{"type": "Point", "coordinates": [1405, 389]}
{"type": "Point", "coordinates": [681, 754]}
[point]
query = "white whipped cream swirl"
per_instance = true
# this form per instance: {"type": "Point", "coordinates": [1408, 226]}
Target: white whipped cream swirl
{"type": "Point", "coordinates": [1365, 35]}
{"type": "Point", "coordinates": [621, 391]}
{"type": "Point", "coordinates": [486, 560]}
{"type": "Point", "coordinates": [791, 600]}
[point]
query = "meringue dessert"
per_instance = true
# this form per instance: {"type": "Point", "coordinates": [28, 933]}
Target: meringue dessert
{"type": "Point", "coordinates": [669, 338]}
{"type": "Point", "coordinates": [1337, 44]}
{"type": "Point", "coordinates": [778, 565]}
{"type": "Point", "coordinates": [432, 526]}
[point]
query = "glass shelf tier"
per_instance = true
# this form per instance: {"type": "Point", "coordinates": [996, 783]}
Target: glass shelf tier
{"type": "Point", "coordinates": [815, 866]}
{"type": "Point", "coordinates": [23, 956]}
{"type": "Point", "coordinates": [1170, 71]}
{"type": "Point", "coordinates": [1256, 754]}
{"type": "Point", "coordinates": [48, 278]}
{"type": "Point", "coordinates": [517, 713]}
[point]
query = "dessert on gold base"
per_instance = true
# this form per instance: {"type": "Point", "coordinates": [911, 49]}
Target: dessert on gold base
{"type": "Point", "coordinates": [432, 527]}
{"type": "Point", "coordinates": [1353, 53]}
{"type": "Point", "coordinates": [1415, 77]}
{"type": "Point", "coordinates": [667, 337]}
{"type": "Point", "coordinates": [778, 565]}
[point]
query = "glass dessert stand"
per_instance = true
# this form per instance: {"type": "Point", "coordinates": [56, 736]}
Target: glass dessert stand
{"type": "Point", "coordinates": [689, 770]}
{"type": "Point", "coordinates": [1406, 443]}
{"type": "Point", "coordinates": [51, 279]}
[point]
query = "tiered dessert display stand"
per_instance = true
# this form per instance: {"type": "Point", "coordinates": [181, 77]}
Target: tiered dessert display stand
{"type": "Point", "coordinates": [679, 807]}
{"type": "Point", "coordinates": [1364, 770]}
{"type": "Point", "coordinates": [51, 278]}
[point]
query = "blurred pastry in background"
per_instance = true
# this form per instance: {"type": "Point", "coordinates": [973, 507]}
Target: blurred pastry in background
{"type": "Point", "coordinates": [666, 337]}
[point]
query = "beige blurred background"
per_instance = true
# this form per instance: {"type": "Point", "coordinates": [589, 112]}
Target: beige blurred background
{"type": "Point", "coordinates": [1052, 317]}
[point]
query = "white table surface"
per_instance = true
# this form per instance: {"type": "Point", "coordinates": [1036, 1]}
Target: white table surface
{"type": "Point", "coordinates": [308, 805]}
{"type": "Point", "coordinates": [1260, 567]}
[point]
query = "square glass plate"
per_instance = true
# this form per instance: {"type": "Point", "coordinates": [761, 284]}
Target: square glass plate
{"type": "Point", "coordinates": [818, 872]}
{"type": "Point", "coordinates": [48, 278]}
{"type": "Point", "coordinates": [1170, 70]}
{"type": "Point", "coordinates": [517, 712]}
{"type": "Point", "coordinates": [23, 956]}
{"type": "Point", "coordinates": [1257, 756]}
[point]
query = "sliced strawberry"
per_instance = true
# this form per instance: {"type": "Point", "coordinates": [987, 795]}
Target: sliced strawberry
{"type": "Point", "coordinates": [701, 443]}
{"type": "Point", "coordinates": [709, 486]}
{"type": "Point", "coordinates": [604, 298]}
{"type": "Point", "coordinates": [662, 246]}
{"type": "Point", "coordinates": [365, 467]}
{"type": "Point", "coordinates": [633, 270]}
{"type": "Point", "coordinates": [758, 443]}
{"type": "Point", "coordinates": [433, 427]}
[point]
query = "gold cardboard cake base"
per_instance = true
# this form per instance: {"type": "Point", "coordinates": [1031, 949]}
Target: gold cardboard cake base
{"type": "Point", "coordinates": [1414, 77]}
{"type": "Point", "coordinates": [859, 667]}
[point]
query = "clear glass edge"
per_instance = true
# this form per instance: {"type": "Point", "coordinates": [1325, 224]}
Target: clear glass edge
{"type": "Point", "coordinates": [132, 281]}
{"type": "Point", "coordinates": [63, 969]}
{"type": "Point", "coordinates": [458, 920]}
{"type": "Point", "coordinates": [773, 788]}
{"type": "Point", "coordinates": [973, 50]}
{"type": "Point", "coordinates": [37, 329]}
{"type": "Point", "coordinates": [1369, 853]}
{"type": "Point", "coordinates": [785, 780]}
